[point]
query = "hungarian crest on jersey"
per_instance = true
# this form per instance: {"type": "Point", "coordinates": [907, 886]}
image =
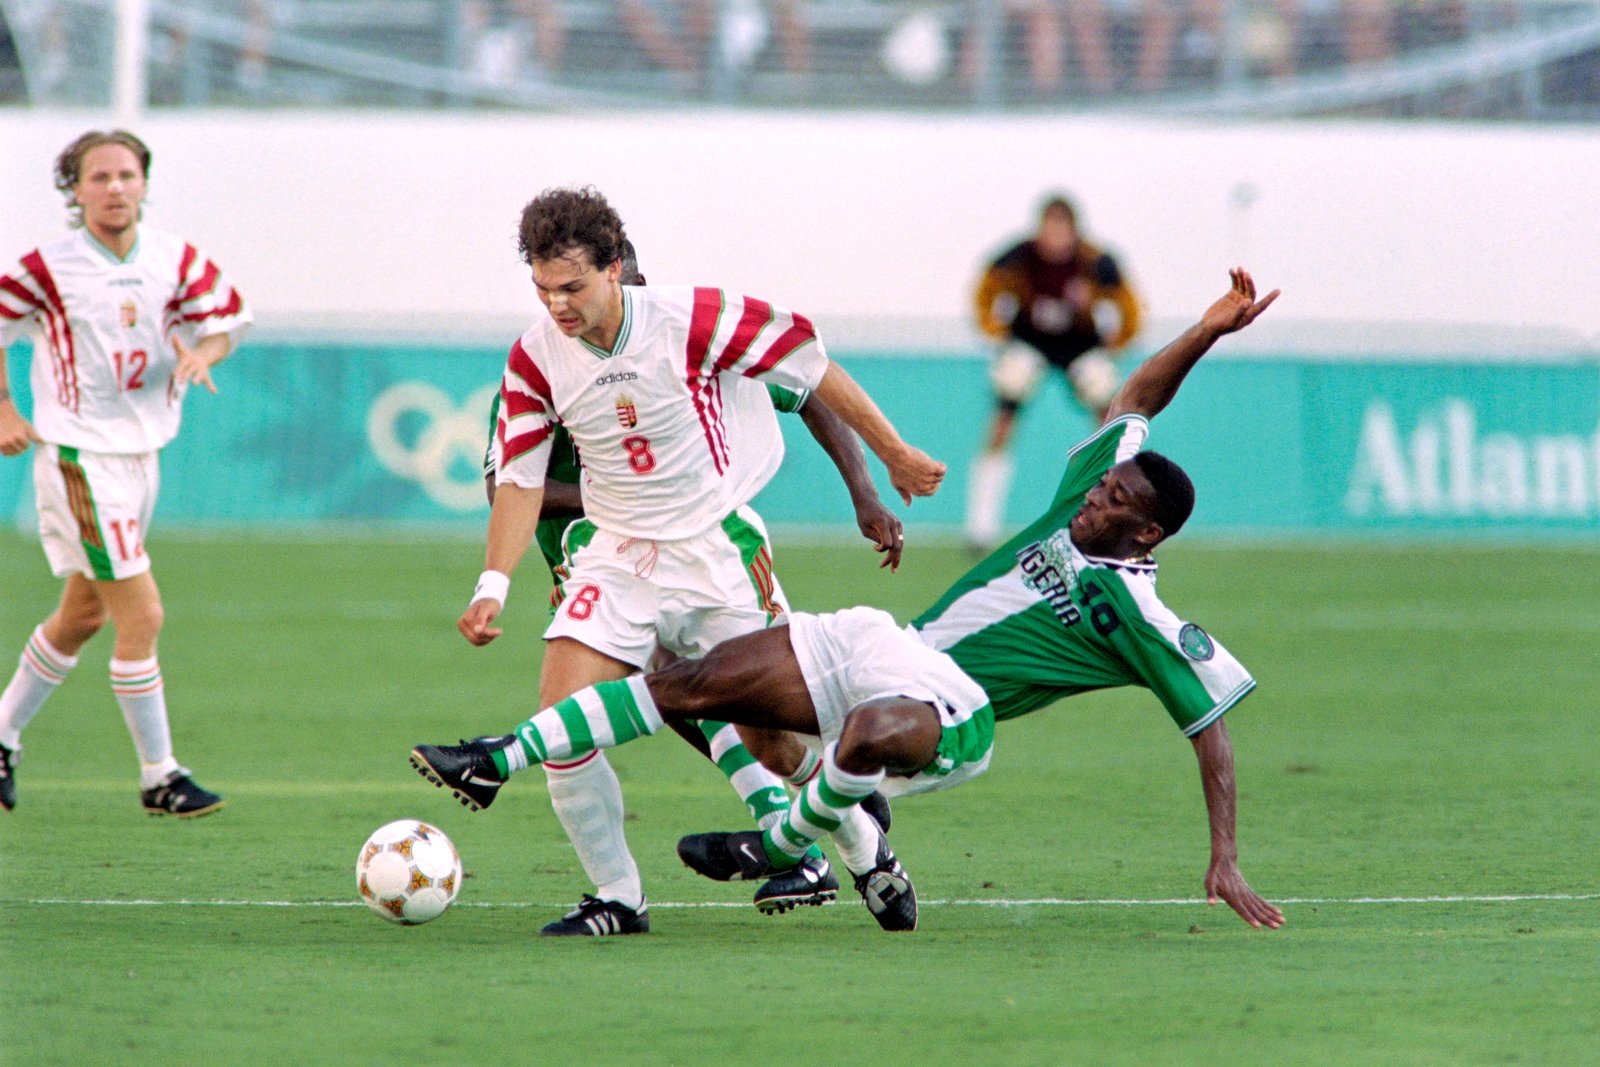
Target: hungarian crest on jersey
{"type": "Point", "coordinates": [128, 313]}
{"type": "Point", "coordinates": [627, 414]}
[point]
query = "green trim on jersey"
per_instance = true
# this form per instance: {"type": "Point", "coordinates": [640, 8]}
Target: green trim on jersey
{"type": "Point", "coordinates": [579, 532]}
{"type": "Point", "coordinates": [88, 521]}
{"type": "Point", "coordinates": [622, 331]}
{"type": "Point", "coordinates": [752, 546]}
{"type": "Point", "coordinates": [1037, 620]}
{"type": "Point", "coordinates": [112, 257]}
{"type": "Point", "coordinates": [786, 400]}
{"type": "Point", "coordinates": [968, 741]}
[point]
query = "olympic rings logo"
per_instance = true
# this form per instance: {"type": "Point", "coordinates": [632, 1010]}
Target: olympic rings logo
{"type": "Point", "coordinates": [446, 456]}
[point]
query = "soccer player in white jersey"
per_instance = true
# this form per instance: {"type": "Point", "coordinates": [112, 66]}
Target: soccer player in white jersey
{"type": "Point", "coordinates": [1067, 606]}
{"type": "Point", "coordinates": [126, 318]}
{"type": "Point", "coordinates": [663, 392]}
{"type": "Point", "coordinates": [578, 789]}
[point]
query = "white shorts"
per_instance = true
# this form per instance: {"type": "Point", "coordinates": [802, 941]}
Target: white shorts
{"type": "Point", "coordinates": [859, 654]}
{"type": "Point", "coordinates": [94, 510]}
{"type": "Point", "coordinates": [622, 595]}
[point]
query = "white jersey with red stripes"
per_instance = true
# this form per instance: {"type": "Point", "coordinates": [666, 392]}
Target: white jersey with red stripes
{"type": "Point", "coordinates": [674, 428]}
{"type": "Point", "coordinates": [103, 363]}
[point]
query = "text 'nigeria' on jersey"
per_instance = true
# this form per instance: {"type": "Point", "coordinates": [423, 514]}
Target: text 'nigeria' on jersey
{"type": "Point", "coordinates": [1050, 572]}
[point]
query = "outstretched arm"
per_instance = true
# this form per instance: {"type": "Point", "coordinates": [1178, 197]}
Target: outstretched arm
{"type": "Point", "coordinates": [1214, 749]}
{"type": "Point", "coordinates": [911, 471]}
{"type": "Point", "coordinates": [1152, 386]}
{"type": "Point", "coordinates": [877, 523]}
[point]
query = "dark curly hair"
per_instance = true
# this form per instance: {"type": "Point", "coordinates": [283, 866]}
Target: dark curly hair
{"type": "Point", "coordinates": [70, 161]}
{"type": "Point", "coordinates": [1174, 491]}
{"type": "Point", "coordinates": [557, 221]}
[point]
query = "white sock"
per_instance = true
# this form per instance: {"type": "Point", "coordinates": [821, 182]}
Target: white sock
{"type": "Point", "coordinates": [588, 801]}
{"type": "Point", "coordinates": [40, 671]}
{"type": "Point", "coordinates": [986, 497]}
{"type": "Point", "coordinates": [810, 764]}
{"type": "Point", "coordinates": [140, 693]}
{"type": "Point", "coordinates": [857, 838]}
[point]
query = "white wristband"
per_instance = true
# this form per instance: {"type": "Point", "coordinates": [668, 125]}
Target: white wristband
{"type": "Point", "coordinates": [492, 585]}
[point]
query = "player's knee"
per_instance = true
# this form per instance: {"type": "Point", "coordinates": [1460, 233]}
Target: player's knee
{"type": "Point", "coordinates": [776, 750]}
{"type": "Point", "coordinates": [141, 622]}
{"type": "Point", "coordinates": [687, 689]}
{"type": "Point", "coordinates": [899, 736]}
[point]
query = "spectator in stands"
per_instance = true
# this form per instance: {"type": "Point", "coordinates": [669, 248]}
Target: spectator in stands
{"type": "Point", "coordinates": [685, 49]}
{"type": "Point", "coordinates": [502, 36]}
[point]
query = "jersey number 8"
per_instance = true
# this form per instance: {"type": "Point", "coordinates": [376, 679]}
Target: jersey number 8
{"type": "Point", "coordinates": [640, 458]}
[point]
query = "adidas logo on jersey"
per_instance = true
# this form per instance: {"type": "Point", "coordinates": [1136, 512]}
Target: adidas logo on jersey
{"type": "Point", "coordinates": [619, 376]}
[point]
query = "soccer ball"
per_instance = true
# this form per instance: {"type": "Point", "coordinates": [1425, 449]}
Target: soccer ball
{"type": "Point", "coordinates": [408, 872]}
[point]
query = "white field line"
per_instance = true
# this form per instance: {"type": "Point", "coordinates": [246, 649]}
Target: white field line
{"type": "Point", "coordinates": [1041, 902]}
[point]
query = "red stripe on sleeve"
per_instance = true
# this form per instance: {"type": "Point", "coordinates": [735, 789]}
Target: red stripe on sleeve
{"type": "Point", "coordinates": [522, 364]}
{"type": "Point", "coordinates": [521, 444]}
{"type": "Point", "coordinates": [231, 308]}
{"type": "Point", "coordinates": [186, 262]}
{"type": "Point", "coordinates": [60, 330]}
{"type": "Point", "coordinates": [207, 282]}
{"type": "Point", "coordinates": [799, 334]}
{"type": "Point", "coordinates": [20, 291]}
{"type": "Point", "coordinates": [757, 313]}
{"type": "Point", "coordinates": [702, 327]}
{"type": "Point", "coordinates": [521, 404]}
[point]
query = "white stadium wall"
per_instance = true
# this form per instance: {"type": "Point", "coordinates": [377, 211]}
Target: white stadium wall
{"type": "Point", "coordinates": [404, 221]}
{"type": "Point", "coordinates": [1432, 370]}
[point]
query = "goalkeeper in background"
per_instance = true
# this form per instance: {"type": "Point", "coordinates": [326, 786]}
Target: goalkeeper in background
{"type": "Point", "coordinates": [1042, 299]}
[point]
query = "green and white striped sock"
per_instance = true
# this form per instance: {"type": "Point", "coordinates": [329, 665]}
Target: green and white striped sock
{"type": "Point", "coordinates": [601, 716]}
{"type": "Point", "coordinates": [761, 790]}
{"type": "Point", "coordinates": [819, 809]}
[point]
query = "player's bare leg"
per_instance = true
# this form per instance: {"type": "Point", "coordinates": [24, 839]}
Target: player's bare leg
{"type": "Point", "coordinates": [78, 617]}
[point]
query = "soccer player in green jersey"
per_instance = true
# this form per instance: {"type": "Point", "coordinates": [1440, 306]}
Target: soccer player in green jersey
{"type": "Point", "coordinates": [583, 788]}
{"type": "Point", "coordinates": [1066, 606]}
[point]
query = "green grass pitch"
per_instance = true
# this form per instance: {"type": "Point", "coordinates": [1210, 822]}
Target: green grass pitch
{"type": "Point", "coordinates": [1425, 728]}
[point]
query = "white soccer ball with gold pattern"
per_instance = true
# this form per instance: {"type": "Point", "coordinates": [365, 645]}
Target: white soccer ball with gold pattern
{"type": "Point", "coordinates": [408, 872]}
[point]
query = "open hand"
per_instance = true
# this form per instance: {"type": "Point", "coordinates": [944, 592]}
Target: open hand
{"type": "Point", "coordinates": [1225, 883]}
{"type": "Point", "coordinates": [192, 366]}
{"type": "Point", "coordinates": [1238, 308]}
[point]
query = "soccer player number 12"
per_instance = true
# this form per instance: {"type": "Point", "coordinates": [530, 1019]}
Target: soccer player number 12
{"type": "Point", "coordinates": [134, 364]}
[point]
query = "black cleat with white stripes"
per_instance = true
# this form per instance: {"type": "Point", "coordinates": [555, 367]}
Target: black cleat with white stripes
{"type": "Point", "coordinates": [594, 917]}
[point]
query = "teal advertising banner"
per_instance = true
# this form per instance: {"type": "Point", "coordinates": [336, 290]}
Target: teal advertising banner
{"type": "Point", "coordinates": [311, 433]}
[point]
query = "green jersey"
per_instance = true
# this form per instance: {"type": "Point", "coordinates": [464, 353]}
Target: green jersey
{"type": "Point", "coordinates": [565, 467]}
{"type": "Point", "coordinates": [1039, 620]}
